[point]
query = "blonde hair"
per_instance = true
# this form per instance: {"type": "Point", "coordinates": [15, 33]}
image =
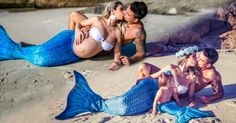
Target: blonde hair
{"type": "Point", "coordinates": [113, 5]}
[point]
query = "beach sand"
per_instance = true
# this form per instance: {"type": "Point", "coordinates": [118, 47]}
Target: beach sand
{"type": "Point", "coordinates": [32, 94]}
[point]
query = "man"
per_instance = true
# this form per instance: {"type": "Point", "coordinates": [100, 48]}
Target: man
{"type": "Point", "coordinates": [208, 75]}
{"type": "Point", "coordinates": [134, 32]}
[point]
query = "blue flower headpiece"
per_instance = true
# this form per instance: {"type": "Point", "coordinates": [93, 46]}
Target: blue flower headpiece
{"type": "Point", "coordinates": [168, 72]}
{"type": "Point", "coordinates": [187, 51]}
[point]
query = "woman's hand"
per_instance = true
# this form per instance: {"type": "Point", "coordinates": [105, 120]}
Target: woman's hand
{"type": "Point", "coordinates": [80, 35]}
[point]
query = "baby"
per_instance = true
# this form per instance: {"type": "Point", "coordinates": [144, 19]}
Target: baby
{"type": "Point", "coordinates": [166, 91]}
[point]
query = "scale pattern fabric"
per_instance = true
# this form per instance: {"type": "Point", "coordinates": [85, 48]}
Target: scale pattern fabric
{"type": "Point", "coordinates": [54, 52]}
{"type": "Point", "coordinates": [182, 114]}
{"type": "Point", "coordinates": [82, 99]}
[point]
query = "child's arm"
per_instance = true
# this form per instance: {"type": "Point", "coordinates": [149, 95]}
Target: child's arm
{"type": "Point", "coordinates": [176, 97]}
{"type": "Point", "coordinates": [157, 98]}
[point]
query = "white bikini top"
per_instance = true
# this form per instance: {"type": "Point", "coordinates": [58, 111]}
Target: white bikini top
{"type": "Point", "coordinates": [96, 35]}
{"type": "Point", "coordinates": [180, 88]}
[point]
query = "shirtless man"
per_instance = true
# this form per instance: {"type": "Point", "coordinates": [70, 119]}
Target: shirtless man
{"type": "Point", "coordinates": [133, 32]}
{"type": "Point", "coordinates": [209, 75]}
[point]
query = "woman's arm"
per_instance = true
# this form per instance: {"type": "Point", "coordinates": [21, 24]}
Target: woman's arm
{"type": "Point", "coordinates": [117, 47]}
{"type": "Point", "coordinates": [155, 102]}
{"type": "Point", "coordinates": [192, 101]}
{"type": "Point", "coordinates": [168, 67]}
{"type": "Point", "coordinates": [80, 35]}
{"type": "Point", "coordinates": [176, 97]}
{"type": "Point", "coordinates": [117, 63]}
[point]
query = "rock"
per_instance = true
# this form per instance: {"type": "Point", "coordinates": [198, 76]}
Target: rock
{"type": "Point", "coordinates": [185, 37]}
{"type": "Point", "coordinates": [202, 28]}
{"type": "Point", "coordinates": [67, 74]}
{"type": "Point", "coordinates": [86, 72]}
{"type": "Point", "coordinates": [48, 3]}
{"type": "Point", "coordinates": [228, 40]}
{"type": "Point", "coordinates": [173, 11]}
{"type": "Point", "coordinates": [221, 14]}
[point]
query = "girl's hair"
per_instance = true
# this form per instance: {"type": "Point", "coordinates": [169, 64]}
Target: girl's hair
{"type": "Point", "coordinates": [167, 76]}
{"type": "Point", "coordinates": [113, 5]}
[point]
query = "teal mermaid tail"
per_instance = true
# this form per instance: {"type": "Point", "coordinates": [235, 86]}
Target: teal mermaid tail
{"type": "Point", "coordinates": [82, 99]}
{"type": "Point", "coordinates": [182, 114]}
{"type": "Point", "coordinates": [54, 52]}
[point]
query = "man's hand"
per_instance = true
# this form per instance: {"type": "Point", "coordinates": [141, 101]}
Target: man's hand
{"type": "Point", "coordinates": [204, 99]}
{"type": "Point", "coordinates": [125, 60]}
{"type": "Point", "coordinates": [114, 66]}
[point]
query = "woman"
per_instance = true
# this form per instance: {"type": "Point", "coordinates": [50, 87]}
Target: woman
{"type": "Point", "coordinates": [184, 75]}
{"type": "Point", "coordinates": [66, 47]}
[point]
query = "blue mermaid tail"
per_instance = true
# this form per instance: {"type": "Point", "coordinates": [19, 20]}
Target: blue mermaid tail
{"type": "Point", "coordinates": [82, 99]}
{"type": "Point", "coordinates": [137, 100]}
{"type": "Point", "coordinates": [54, 52]}
{"type": "Point", "coordinates": [182, 114]}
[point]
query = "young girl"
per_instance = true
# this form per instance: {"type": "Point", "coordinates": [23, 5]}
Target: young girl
{"type": "Point", "coordinates": [166, 91]}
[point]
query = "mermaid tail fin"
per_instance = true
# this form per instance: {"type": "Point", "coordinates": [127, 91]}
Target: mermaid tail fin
{"type": "Point", "coordinates": [56, 51]}
{"type": "Point", "coordinates": [8, 48]}
{"type": "Point", "coordinates": [81, 99]}
{"type": "Point", "coordinates": [187, 113]}
{"type": "Point", "coordinates": [183, 114]}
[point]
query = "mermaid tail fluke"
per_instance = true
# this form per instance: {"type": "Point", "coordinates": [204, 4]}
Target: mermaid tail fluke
{"type": "Point", "coordinates": [54, 52]}
{"type": "Point", "coordinates": [183, 114]}
{"type": "Point", "coordinates": [81, 99]}
{"type": "Point", "coordinates": [7, 45]}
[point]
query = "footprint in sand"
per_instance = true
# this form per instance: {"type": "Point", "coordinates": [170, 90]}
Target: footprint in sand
{"type": "Point", "coordinates": [232, 103]}
{"type": "Point", "coordinates": [206, 120]}
{"type": "Point", "coordinates": [105, 119]}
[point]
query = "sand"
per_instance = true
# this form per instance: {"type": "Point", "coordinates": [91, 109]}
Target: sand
{"type": "Point", "coordinates": [32, 94]}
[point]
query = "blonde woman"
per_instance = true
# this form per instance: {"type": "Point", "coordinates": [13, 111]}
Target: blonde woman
{"type": "Point", "coordinates": [66, 47]}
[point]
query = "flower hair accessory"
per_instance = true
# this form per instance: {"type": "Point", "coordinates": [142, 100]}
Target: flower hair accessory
{"type": "Point", "coordinates": [168, 72]}
{"type": "Point", "coordinates": [187, 51]}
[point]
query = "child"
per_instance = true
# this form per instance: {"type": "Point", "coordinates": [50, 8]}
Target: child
{"type": "Point", "coordinates": [166, 91]}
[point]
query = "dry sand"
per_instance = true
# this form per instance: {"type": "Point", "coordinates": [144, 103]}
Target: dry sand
{"type": "Point", "coordinates": [32, 94]}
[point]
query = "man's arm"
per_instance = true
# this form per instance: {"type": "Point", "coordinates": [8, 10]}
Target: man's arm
{"type": "Point", "coordinates": [140, 42]}
{"type": "Point", "coordinates": [217, 88]}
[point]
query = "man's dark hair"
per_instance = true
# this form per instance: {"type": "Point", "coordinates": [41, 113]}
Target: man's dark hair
{"type": "Point", "coordinates": [139, 8]}
{"type": "Point", "coordinates": [212, 55]}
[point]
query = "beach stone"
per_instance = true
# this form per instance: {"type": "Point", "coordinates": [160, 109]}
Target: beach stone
{"type": "Point", "coordinates": [173, 11]}
{"type": "Point", "coordinates": [67, 74]}
{"type": "Point", "coordinates": [228, 40]}
{"type": "Point", "coordinates": [86, 72]}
